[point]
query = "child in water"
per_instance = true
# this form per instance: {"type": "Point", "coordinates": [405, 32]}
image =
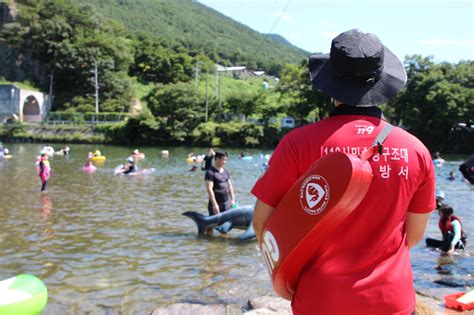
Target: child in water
{"type": "Point", "coordinates": [451, 229]}
{"type": "Point", "coordinates": [44, 170]}
{"type": "Point", "coordinates": [452, 176]}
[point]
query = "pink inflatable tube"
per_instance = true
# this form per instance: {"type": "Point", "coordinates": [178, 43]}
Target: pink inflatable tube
{"type": "Point", "coordinates": [89, 169]}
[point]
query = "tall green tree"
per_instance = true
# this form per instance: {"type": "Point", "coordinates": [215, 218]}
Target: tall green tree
{"type": "Point", "coordinates": [245, 103]}
{"type": "Point", "coordinates": [298, 95]}
{"type": "Point", "coordinates": [179, 108]}
{"type": "Point", "coordinates": [437, 98]}
{"type": "Point", "coordinates": [70, 40]}
{"type": "Point", "coordinates": [157, 63]}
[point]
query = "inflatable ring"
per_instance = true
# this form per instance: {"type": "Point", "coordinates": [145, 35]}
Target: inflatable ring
{"type": "Point", "coordinates": [48, 151]}
{"type": "Point", "coordinates": [309, 212]}
{"type": "Point", "coordinates": [23, 294]}
{"type": "Point", "coordinates": [89, 169]}
{"type": "Point", "coordinates": [98, 158]}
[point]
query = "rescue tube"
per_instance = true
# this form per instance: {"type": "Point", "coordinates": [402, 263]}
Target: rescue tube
{"type": "Point", "coordinates": [467, 169]}
{"type": "Point", "coordinates": [23, 294]}
{"type": "Point", "coordinates": [98, 158]}
{"type": "Point", "coordinates": [309, 212]}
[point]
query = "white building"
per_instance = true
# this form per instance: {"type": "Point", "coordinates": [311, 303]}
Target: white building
{"type": "Point", "coordinates": [22, 105]}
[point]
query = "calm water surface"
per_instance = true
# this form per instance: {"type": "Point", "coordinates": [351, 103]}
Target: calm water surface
{"type": "Point", "coordinates": [106, 244]}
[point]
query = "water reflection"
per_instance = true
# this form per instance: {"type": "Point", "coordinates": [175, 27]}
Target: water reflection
{"type": "Point", "coordinates": [444, 263]}
{"type": "Point", "coordinates": [46, 207]}
{"type": "Point", "coordinates": [117, 244]}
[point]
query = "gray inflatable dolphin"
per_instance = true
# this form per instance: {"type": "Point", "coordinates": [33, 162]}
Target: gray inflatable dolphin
{"type": "Point", "coordinates": [240, 218]}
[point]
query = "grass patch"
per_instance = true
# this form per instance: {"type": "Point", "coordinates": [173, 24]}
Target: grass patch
{"type": "Point", "coordinates": [22, 85]}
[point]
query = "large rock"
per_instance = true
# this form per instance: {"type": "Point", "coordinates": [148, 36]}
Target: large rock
{"type": "Point", "coordinates": [190, 309]}
{"type": "Point", "coordinates": [269, 305]}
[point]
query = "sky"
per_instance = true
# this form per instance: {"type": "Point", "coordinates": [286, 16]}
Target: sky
{"type": "Point", "coordinates": [443, 29]}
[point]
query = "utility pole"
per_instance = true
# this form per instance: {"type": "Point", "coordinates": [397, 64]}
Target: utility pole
{"type": "Point", "coordinates": [207, 98]}
{"type": "Point", "coordinates": [219, 96]}
{"type": "Point", "coordinates": [96, 76]}
{"type": "Point", "coordinates": [51, 78]}
{"type": "Point", "coordinates": [196, 79]}
{"type": "Point", "coordinates": [217, 80]}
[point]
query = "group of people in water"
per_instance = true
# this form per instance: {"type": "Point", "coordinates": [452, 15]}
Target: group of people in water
{"type": "Point", "coordinates": [43, 165]}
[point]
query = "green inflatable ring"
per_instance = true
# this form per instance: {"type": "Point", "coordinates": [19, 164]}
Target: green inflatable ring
{"type": "Point", "coordinates": [23, 294]}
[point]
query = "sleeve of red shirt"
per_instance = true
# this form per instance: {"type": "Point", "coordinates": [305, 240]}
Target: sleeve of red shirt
{"type": "Point", "coordinates": [424, 200]}
{"type": "Point", "coordinates": [280, 175]}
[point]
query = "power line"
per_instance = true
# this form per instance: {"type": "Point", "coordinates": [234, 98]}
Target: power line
{"type": "Point", "coordinates": [279, 18]}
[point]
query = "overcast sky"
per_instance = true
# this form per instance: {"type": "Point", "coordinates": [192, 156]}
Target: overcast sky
{"type": "Point", "coordinates": [443, 29]}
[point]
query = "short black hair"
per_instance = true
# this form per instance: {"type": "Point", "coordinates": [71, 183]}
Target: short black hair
{"type": "Point", "coordinates": [221, 154]}
{"type": "Point", "coordinates": [447, 210]}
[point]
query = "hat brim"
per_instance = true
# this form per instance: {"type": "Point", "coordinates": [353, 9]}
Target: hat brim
{"type": "Point", "coordinates": [324, 77]}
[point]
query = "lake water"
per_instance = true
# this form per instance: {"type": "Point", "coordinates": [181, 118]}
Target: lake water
{"type": "Point", "coordinates": [108, 244]}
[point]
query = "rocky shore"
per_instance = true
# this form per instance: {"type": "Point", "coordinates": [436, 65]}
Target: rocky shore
{"type": "Point", "coordinates": [268, 305]}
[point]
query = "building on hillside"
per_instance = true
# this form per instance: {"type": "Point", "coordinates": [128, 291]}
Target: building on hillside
{"type": "Point", "coordinates": [237, 72]}
{"type": "Point", "coordinates": [22, 105]}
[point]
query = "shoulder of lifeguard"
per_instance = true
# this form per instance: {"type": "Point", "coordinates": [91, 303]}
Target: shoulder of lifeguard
{"type": "Point", "coordinates": [400, 132]}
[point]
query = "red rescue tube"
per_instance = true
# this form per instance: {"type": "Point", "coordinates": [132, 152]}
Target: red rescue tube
{"type": "Point", "coordinates": [309, 212]}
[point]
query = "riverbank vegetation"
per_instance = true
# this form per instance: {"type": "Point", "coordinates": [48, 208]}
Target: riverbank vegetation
{"type": "Point", "coordinates": [157, 75]}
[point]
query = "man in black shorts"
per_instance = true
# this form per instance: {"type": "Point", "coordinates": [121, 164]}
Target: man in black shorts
{"type": "Point", "coordinates": [219, 186]}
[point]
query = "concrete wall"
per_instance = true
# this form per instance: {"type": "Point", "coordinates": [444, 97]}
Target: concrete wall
{"type": "Point", "coordinates": [24, 104]}
{"type": "Point", "coordinates": [30, 100]}
{"type": "Point", "coordinates": [9, 102]}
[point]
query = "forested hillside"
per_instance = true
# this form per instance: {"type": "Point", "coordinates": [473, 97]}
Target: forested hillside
{"type": "Point", "coordinates": [148, 51]}
{"type": "Point", "coordinates": [201, 29]}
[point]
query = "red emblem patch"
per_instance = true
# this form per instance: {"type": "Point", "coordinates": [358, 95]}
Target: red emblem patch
{"type": "Point", "coordinates": [314, 194]}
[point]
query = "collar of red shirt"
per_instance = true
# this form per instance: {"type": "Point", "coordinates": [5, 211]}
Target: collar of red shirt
{"type": "Point", "coordinates": [344, 109]}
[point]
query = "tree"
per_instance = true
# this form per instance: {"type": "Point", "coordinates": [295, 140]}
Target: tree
{"type": "Point", "coordinates": [69, 40]}
{"type": "Point", "coordinates": [245, 103]}
{"type": "Point", "coordinates": [437, 98]}
{"type": "Point", "coordinates": [180, 109]}
{"type": "Point", "coordinates": [298, 95]}
{"type": "Point", "coordinates": [157, 63]}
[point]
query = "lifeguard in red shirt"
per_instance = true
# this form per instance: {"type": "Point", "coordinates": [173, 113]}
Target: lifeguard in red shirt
{"type": "Point", "coordinates": [363, 267]}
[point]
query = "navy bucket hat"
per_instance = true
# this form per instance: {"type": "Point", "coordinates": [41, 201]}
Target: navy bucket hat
{"type": "Point", "coordinates": [359, 70]}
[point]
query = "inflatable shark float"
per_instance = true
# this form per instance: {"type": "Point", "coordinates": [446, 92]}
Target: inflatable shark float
{"type": "Point", "coordinates": [240, 218]}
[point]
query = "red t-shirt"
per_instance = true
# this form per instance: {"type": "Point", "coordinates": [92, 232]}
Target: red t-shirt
{"type": "Point", "coordinates": [364, 268]}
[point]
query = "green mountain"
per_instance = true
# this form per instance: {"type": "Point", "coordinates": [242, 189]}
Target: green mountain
{"type": "Point", "coordinates": [201, 29]}
{"type": "Point", "coordinates": [280, 39]}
